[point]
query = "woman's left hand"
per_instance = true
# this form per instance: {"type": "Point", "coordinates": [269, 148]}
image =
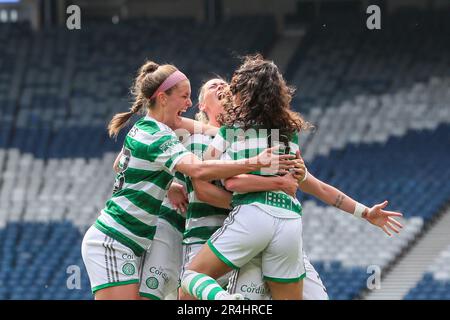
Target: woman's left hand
{"type": "Point", "coordinates": [383, 218]}
{"type": "Point", "coordinates": [178, 197]}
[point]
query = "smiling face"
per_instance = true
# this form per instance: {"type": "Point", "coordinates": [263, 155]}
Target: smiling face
{"type": "Point", "coordinates": [176, 103]}
{"type": "Point", "coordinates": [210, 103]}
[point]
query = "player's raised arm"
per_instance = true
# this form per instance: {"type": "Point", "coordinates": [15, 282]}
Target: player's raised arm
{"type": "Point", "coordinates": [332, 196]}
{"type": "Point", "coordinates": [194, 126]}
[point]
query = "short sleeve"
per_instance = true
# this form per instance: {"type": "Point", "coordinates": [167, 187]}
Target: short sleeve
{"type": "Point", "coordinates": [168, 150]}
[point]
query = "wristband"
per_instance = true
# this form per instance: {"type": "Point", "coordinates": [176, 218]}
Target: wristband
{"type": "Point", "coordinates": [306, 175]}
{"type": "Point", "coordinates": [359, 210]}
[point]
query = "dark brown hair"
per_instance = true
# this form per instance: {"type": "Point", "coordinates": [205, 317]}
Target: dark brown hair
{"type": "Point", "coordinates": [264, 99]}
{"type": "Point", "coordinates": [149, 77]}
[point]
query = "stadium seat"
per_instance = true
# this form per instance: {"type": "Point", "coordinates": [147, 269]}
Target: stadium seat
{"type": "Point", "coordinates": [379, 102]}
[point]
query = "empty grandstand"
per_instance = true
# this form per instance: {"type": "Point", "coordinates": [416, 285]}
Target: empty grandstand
{"type": "Point", "coordinates": [380, 102]}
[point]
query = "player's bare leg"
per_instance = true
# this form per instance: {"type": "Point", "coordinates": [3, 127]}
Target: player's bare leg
{"type": "Point", "coordinates": [184, 296]}
{"type": "Point", "coordinates": [206, 262]}
{"type": "Point", "coordinates": [125, 292]}
{"type": "Point", "coordinates": [199, 278]}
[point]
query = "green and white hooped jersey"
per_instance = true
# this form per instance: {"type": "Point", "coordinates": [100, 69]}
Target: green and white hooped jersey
{"type": "Point", "coordinates": [202, 219]}
{"type": "Point", "coordinates": [239, 144]}
{"type": "Point", "coordinates": [168, 213]}
{"type": "Point", "coordinates": [149, 155]}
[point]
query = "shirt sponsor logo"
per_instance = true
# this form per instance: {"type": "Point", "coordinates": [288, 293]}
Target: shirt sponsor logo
{"type": "Point", "coordinates": [160, 273]}
{"type": "Point", "coordinates": [254, 288]}
{"type": "Point", "coordinates": [127, 256]}
{"type": "Point", "coordinates": [169, 144]}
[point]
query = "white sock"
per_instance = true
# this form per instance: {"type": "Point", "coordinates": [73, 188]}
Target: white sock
{"type": "Point", "coordinates": [202, 287]}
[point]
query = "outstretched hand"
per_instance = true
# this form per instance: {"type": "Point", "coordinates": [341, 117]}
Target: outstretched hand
{"type": "Point", "coordinates": [383, 218]}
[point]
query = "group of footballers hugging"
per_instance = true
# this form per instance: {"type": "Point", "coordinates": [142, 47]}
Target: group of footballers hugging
{"type": "Point", "coordinates": [207, 209]}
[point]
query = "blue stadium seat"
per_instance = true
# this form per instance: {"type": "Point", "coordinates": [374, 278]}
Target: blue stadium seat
{"type": "Point", "coordinates": [60, 110]}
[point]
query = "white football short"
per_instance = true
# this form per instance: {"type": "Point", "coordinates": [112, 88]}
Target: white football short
{"type": "Point", "coordinates": [249, 282]}
{"type": "Point", "coordinates": [108, 262]}
{"type": "Point", "coordinates": [162, 264]}
{"type": "Point", "coordinates": [248, 231]}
